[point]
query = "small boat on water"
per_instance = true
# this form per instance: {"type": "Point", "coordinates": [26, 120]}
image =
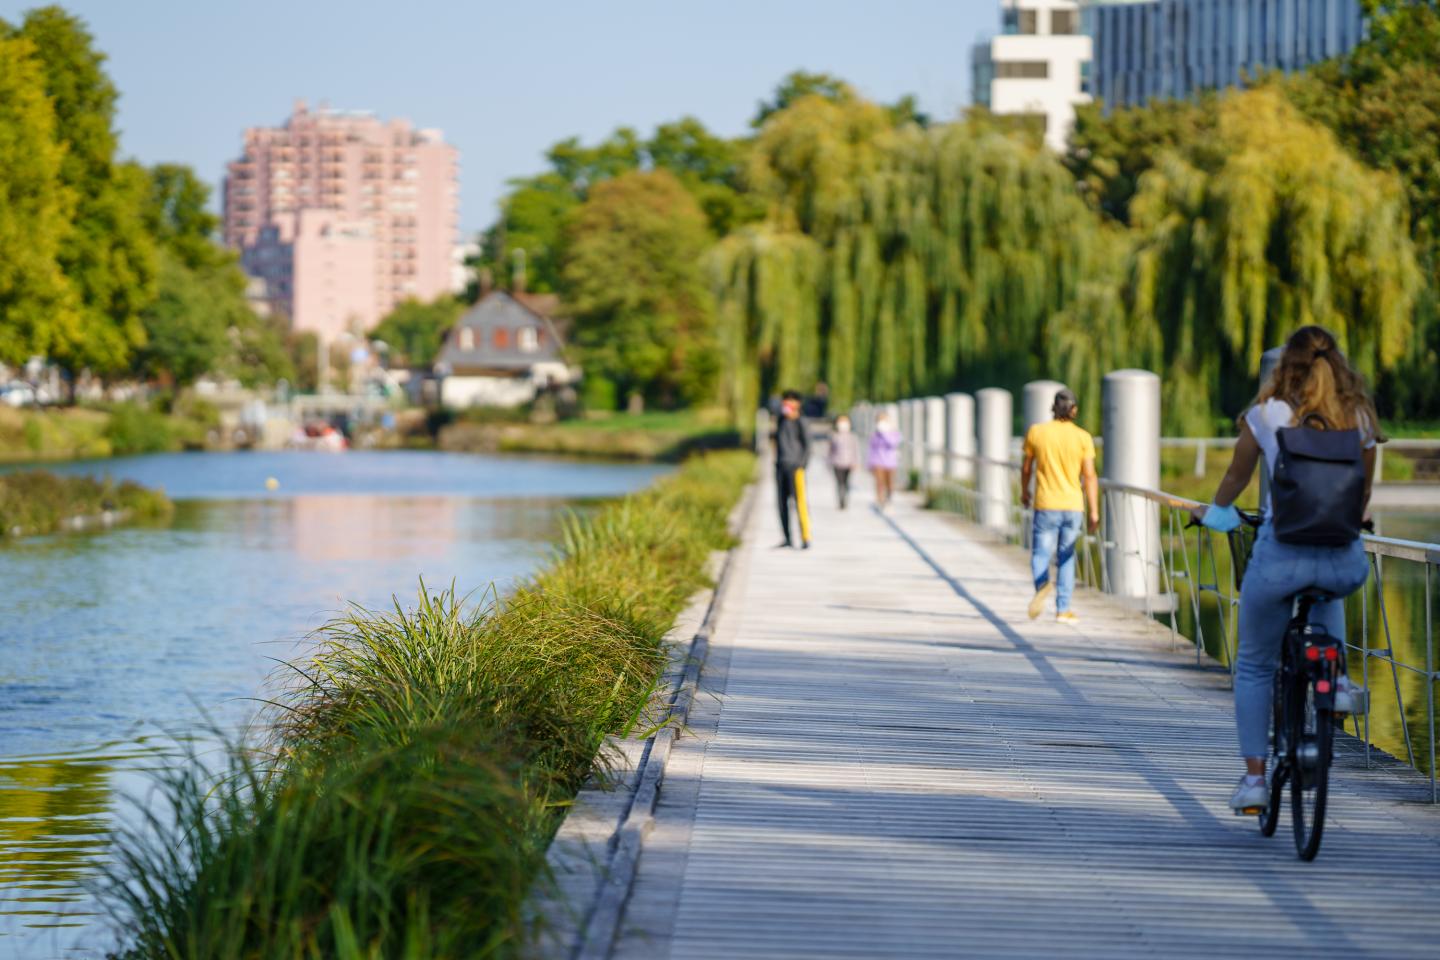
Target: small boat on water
{"type": "Point", "coordinates": [319, 436]}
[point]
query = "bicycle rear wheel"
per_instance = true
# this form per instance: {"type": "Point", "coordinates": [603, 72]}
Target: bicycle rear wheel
{"type": "Point", "coordinates": [1312, 736]}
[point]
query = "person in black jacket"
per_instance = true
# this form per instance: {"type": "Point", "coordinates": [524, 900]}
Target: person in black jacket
{"type": "Point", "coordinates": [792, 452]}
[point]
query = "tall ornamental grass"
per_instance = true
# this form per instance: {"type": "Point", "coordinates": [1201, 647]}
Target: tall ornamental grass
{"type": "Point", "coordinates": [418, 763]}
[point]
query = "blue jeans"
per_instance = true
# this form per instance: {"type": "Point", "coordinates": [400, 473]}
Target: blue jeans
{"type": "Point", "coordinates": [1276, 572]}
{"type": "Point", "coordinates": [1055, 534]}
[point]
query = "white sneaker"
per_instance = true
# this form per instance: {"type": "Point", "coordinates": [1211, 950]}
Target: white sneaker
{"type": "Point", "coordinates": [1250, 796]}
{"type": "Point", "coordinates": [1351, 698]}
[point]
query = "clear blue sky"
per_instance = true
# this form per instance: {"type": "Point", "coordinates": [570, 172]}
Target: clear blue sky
{"type": "Point", "coordinates": [505, 80]}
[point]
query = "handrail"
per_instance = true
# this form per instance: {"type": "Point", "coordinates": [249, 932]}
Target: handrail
{"type": "Point", "coordinates": [1174, 565]}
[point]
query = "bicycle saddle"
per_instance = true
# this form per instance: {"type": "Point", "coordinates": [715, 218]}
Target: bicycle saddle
{"type": "Point", "coordinates": [1313, 594]}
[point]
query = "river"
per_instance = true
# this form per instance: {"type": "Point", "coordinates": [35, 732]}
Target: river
{"type": "Point", "coordinates": [114, 642]}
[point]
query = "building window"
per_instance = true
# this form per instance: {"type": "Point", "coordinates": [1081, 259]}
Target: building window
{"type": "Point", "coordinates": [467, 338]}
{"type": "Point", "coordinates": [1029, 21]}
{"type": "Point", "coordinates": [500, 338]}
{"type": "Point", "coordinates": [526, 340]}
{"type": "Point", "coordinates": [1064, 21]}
{"type": "Point", "coordinates": [1021, 69]}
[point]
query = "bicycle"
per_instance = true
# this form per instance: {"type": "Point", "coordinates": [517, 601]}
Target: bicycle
{"type": "Point", "coordinates": [1302, 731]}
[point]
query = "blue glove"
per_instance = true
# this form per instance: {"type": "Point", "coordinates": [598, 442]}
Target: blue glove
{"type": "Point", "coordinates": [1223, 519]}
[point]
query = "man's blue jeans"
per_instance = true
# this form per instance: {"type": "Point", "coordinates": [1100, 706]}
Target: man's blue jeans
{"type": "Point", "coordinates": [1055, 535]}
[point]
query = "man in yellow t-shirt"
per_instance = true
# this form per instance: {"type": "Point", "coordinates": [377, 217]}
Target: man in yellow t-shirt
{"type": "Point", "coordinates": [1060, 455]}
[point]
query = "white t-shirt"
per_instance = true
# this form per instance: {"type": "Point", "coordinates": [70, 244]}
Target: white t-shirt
{"type": "Point", "coordinates": [1265, 419]}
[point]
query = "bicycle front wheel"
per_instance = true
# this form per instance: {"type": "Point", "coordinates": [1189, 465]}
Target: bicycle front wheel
{"type": "Point", "coordinates": [1313, 737]}
{"type": "Point", "coordinates": [1279, 755]}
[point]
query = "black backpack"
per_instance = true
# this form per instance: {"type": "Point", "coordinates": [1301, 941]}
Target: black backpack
{"type": "Point", "coordinates": [1317, 489]}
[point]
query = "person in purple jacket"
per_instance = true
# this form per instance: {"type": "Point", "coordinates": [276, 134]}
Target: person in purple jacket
{"type": "Point", "coordinates": [883, 457]}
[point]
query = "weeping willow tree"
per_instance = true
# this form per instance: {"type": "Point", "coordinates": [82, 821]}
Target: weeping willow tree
{"type": "Point", "coordinates": [900, 260]}
{"type": "Point", "coordinates": [1267, 226]}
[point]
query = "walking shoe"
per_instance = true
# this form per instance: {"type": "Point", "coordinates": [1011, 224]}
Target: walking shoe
{"type": "Point", "coordinates": [783, 545]}
{"type": "Point", "coordinates": [1250, 797]}
{"type": "Point", "coordinates": [1066, 616]}
{"type": "Point", "coordinates": [1037, 602]}
{"type": "Point", "coordinates": [1351, 698]}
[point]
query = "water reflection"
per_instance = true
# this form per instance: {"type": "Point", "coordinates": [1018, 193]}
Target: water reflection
{"type": "Point", "coordinates": [122, 637]}
{"type": "Point", "coordinates": [52, 822]}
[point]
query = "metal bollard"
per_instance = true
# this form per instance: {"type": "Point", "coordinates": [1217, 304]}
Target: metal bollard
{"type": "Point", "coordinates": [996, 415]}
{"type": "Point", "coordinates": [934, 408]}
{"type": "Point", "coordinates": [914, 414]}
{"type": "Point", "coordinates": [1131, 401]}
{"type": "Point", "coordinates": [960, 436]}
{"type": "Point", "coordinates": [907, 441]}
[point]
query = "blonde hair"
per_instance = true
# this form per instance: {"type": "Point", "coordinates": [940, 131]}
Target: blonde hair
{"type": "Point", "coordinates": [1315, 379]}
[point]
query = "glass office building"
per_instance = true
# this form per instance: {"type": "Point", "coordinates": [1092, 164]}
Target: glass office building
{"type": "Point", "coordinates": [1174, 48]}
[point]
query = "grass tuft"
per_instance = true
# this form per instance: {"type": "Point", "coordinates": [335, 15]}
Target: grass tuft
{"type": "Point", "coordinates": [419, 761]}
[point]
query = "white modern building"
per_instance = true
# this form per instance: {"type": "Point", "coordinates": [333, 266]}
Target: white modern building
{"type": "Point", "coordinates": [1038, 65]}
{"type": "Point", "coordinates": [1148, 49]}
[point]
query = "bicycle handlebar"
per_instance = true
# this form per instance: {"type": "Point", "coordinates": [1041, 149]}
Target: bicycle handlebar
{"type": "Point", "coordinates": [1254, 520]}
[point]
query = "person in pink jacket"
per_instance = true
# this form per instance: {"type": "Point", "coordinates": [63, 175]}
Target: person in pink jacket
{"type": "Point", "coordinates": [844, 457]}
{"type": "Point", "coordinates": [883, 457]}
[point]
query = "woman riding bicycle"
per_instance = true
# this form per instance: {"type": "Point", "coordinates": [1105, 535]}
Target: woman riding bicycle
{"type": "Point", "coordinates": [1312, 382]}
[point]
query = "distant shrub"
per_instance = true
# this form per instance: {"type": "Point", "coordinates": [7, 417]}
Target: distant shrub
{"type": "Point", "coordinates": [36, 502]}
{"type": "Point", "coordinates": [138, 429]}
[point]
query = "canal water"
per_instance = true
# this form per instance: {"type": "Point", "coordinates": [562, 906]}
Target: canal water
{"type": "Point", "coordinates": [113, 644]}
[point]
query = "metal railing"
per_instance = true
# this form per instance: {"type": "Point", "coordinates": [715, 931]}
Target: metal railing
{"type": "Point", "coordinates": [1183, 577]}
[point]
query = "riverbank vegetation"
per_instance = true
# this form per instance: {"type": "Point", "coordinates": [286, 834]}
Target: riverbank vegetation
{"type": "Point", "coordinates": [655, 435]}
{"type": "Point", "coordinates": [117, 429]}
{"type": "Point", "coordinates": [35, 502]}
{"type": "Point", "coordinates": [403, 804]}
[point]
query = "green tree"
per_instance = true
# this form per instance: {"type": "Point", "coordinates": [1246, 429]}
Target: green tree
{"type": "Point", "coordinates": [108, 256]}
{"type": "Point", "coordinates": [1109, 153]}
{"type": "Point", "coordinates": [304, 351]}
{"type": "Point", "coordinates": [35, 298]}
{"type": "Point", "coordinates": [178, 217]}
{"type": "Point", "coordinates": [899, 260]}
{"type": "Point", "coordinates": [633, 281]}
{"type": "Point", "coordinates": [414, 330]}
{"type": "Point", "coordinates": [1266, 226]}
{"type": "Point", "coordinates": [712, 168]}
{"type": "Point", "coordinates": [810, 160]}
{"type": "Point", "coordinates": [535, 213]}
{"type": "Point", "coordinates": [532, 219]}
{"type": "Point", "coordinates": [1383, 103]}
{"type": "Point", "coordinates": [200, 321]}
{"type": "Point", "coordinates": [186, 327]}
{"type": "Point", "coordinates": [797, 86]}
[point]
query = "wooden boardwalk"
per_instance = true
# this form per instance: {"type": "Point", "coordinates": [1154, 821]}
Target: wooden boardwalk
{"type": "Point", "coordinates": [888, 759]}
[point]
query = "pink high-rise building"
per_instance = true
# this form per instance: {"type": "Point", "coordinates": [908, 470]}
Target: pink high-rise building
{"type": "Point", "coordinates": [342, 216]}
